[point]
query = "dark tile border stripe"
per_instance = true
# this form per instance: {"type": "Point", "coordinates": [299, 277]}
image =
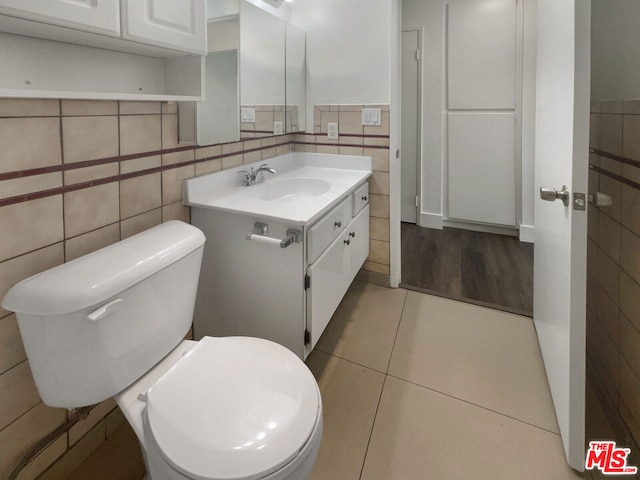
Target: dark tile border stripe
{"type": "Point", "coordinates": [380, 147]}
{"type": "Point", "coordinates": [617, 177]}
{"type": "Point", "coordinates": [617, 158]}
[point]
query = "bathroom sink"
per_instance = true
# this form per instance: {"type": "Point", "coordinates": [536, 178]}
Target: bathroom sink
{"type": "Point", "coordinates": [290, 189]}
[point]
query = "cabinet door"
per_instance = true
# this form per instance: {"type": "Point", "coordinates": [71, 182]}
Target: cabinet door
{"type": "Point", "coordinates": [97, 16]}
{"type": "Point", "coordinates": [177, 24]}
{"type": "Point", "coordinates": [358, 233]}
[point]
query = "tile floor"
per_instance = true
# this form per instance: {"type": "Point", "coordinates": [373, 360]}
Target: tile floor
{"type": "Point", "coordinates": [418, 387]}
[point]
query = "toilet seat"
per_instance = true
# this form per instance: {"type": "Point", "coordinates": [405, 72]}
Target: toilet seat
{"type": "Point", "coordinates": [233, 408]}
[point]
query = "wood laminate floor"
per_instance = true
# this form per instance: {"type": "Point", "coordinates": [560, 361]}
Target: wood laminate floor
{"type": "Point", "coordinates": [484, 268]}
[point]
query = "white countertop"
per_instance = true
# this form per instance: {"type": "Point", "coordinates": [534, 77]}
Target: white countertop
{"type": "Point", "coordinates": [223, 191]}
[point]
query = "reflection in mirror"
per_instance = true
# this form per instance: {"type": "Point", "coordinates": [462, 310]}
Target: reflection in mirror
{"type": "Point", "coordinates": [262, 72]}
{"type": "Point", "coordinates": [296, 79]}
{"type": "Point", "coordinates": [217, 116]}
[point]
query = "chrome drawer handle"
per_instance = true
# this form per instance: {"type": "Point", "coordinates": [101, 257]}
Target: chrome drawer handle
{"type": "Point", "coordinates": [352, 234]}
{"type": "Point", "coordinates": [338, 224]}
{"type": "Point", "coordinates": [347, 241]}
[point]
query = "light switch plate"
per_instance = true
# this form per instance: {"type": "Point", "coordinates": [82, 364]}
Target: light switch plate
{"type": "Point", "coordinates": [248, 115]}
{"type": "Point", "coordinates": [372, 116]}
{"type": "Point", "coordinates": [332, 130]}
{"type": "Point", "coordinates": [278, 128]}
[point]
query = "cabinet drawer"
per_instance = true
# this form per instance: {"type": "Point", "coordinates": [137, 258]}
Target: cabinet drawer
{"type": "Point", "coordinates": [360, 198]}
{"type": "Point", "coordinates": [327, 228]}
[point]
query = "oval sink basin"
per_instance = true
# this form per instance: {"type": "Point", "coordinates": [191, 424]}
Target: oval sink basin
{"type": "Point", "coordinates": [290, 189]}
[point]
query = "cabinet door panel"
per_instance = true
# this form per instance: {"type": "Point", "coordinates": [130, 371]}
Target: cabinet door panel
{"type": "Point", "coordinates": [97, 16]}
{"type": "Point", "coordinates": [180, 25]}
{"type": "Point", "coordinates": [358, 232]}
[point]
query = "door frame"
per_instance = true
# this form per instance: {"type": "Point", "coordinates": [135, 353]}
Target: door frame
{"type": "Point", "coordinates": [419, 30]}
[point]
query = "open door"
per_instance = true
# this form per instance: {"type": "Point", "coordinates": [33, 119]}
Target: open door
{"type": "Point", "coordinates": [561, 158]}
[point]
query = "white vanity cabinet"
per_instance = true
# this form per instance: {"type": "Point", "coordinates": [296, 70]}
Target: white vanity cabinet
{"type": "Point", "coordinates": [96, 16]}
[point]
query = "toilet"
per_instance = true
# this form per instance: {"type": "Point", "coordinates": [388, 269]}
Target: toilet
{"type": "Point", "coordinates": [112, 324]}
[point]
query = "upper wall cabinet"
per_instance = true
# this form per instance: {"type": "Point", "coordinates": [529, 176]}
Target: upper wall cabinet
{"type": "Point", "coordinates": [103, 49]}
{"type": "Point", "coordinates": [166, 23]}
{"type": "Point", "coordinates": [97, 16]}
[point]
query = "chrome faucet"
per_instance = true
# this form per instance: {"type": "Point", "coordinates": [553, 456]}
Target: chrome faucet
{"type": "Point", "coordinates": [255, 176]}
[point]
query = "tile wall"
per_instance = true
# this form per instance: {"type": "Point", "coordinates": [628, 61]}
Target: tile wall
{"type": "Point", "coordinates": [356, 139]}
{"type": "Point", "coordinates": [265, 116]}
{"type": "Point", "coordinates": [76, 176]}
{"type": "Point", "coordinates": [613, 283]}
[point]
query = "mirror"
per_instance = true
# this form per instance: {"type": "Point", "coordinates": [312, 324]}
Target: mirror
{"type": "Point", "coordinates": [255, 77]}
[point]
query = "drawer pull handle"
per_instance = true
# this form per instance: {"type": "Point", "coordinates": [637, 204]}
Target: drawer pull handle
{"type": "Point", "coordinates": [352, 234]}
{"type": "Point", "coordinates": [347, 241]}
{"type": "Point", "coordinates": [338, 224]}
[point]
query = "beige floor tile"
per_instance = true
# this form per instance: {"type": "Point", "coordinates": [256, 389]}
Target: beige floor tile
{"type": "Point", "coordinates": [421, 434]}
{"type": "Point", "coordinates": [480, 355]}
{"type": "Point", "coordinates": [364, 327]}
{"type": "Point", "coordinates": [350, 396]}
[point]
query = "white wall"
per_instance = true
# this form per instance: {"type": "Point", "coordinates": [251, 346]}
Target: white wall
{"type": "Point", "coordinates": [430, 15]}
{"type": "Point", "coordinates": [348, 50]}
{"type": "Point", "coordinates": [615, 72]}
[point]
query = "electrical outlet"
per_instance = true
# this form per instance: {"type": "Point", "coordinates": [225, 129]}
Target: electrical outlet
{"type": "Point", "coordinates": [332, 130]}
{"type": "Point", "coordinates": [278, 128]}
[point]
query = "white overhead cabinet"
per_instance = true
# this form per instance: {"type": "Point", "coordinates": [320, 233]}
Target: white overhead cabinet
{"type": "Point", "coordinates": [97, 16]}
{"type": "Point", "coordinates": [166, 23]}
{"type": "Point", "coordinates": [103, 49]}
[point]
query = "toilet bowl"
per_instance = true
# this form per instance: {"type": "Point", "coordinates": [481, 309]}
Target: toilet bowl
{"type": "Point", "coordinates": [112, 323]}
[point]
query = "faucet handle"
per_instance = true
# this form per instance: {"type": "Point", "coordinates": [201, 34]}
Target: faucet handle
{"type": "Point", "coordinates": [247, 177]}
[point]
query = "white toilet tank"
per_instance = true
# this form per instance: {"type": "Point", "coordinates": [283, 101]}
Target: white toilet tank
{"type": "Point", "coordinates": [94, 325]}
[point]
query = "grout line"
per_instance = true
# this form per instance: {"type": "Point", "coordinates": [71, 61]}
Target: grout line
{"type": "Point", "coordinates": [373, 424]}
{"type": "Point", "coordinates": [473, 404]}
{"type": "Point", "coordinates": [404, 304]}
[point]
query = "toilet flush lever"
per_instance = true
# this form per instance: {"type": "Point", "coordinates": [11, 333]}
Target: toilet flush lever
{"type": "Point", "coordinates": [103, 310]}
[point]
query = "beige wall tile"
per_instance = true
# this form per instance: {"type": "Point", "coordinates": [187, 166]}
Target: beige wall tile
{"type": "Point", "coordinates": [87, 174]}
{"type": "Point", "coordinates": [140, 133]}
{"type": "Point", "coordinates": [96, 415]}
{"type": "Point", "coordinates": [139, 108]}
{"type": "Point", "coordinates": [89, 138]}
{"type": "Point", "coordinates": [89, 107]}
{"type": "Point", "coordinates": [608, 272]}
{"type": "Point", "coordinates": [178, 157]}
{"type": "Point", "coordinates": [138, 164]}
{"type": "Point", "coordinates": [350, 122]}
{"type": "Point", "coordinates": [282, 149]}
{"type": "Point", "coordinates": [630, 253]}
{"type": "Point", "coordinates": [379, 205]}
{"type": "Point", "coordinates": [172, 183]}
{"type": "Point", "coordinates": [32, 225]}
{"type": "Point", "coordinates": [29, 143]}
{"type": "Point", "coordinates": [90, 242]}
{"type": "Point", "coordinates": [11, 347]}
{"type": "Point", "coordinates": [209, 166]}
{"type": "Point", "coordinates": [379, 183]}
{"type": "Point", "coordinates": [379, 229]}
{"type": "Point", "coordinates": [268, 153]}
{"type": "Point", "coordinates": [208, 152]}
{"type": "Point", "coordinates": [24, 185]}
{"type": "Point", "coordinates": [91, 208]}
{"type": "Point", "coordinates": [611, 133]}
{"type": "Point", "coordinates": [382, 129]}
{"type": "Point", "coordinates": [630, 344]}
{"type": "Point", "coordinates": [232, 161]}
{"type": "Point", "coordinates": [114, 420]}
{"type": "Point", "coordinates": [140, 194]}
{"type": "Point", "coordinates": [18, 393]}
{"type": "Point", "coordinates": [378, 252]}
{"type": "Point", "coordinates": [609, 237]}
{"type": "Point", "coordinates": [170, 131]}
{"type": "Point", "coordinates": [176, 211]}
{"type": "Point", "coordinates": [44, 459]}
{"type": "Point", "coordinates": [379, 158]}
{"type": "Point", "coordinates": [142, 222]}
{"type": "Point", "coordinates": [269, 141]}
{"type": "Point", "coordinates": [380, 142]}
{"type": "Point", "coordinates": [76, 455]}
{"type": "Point", "coordinates": [329, 117]}
{"type": "Point", "coordinates": [232, 147]}
{"type": "Point", "coordinates": [594, 131]}
{"type": "Point", "coordinates": [629, 295]}
{"type": "Point", "coordinates": [630, 390]}
{"type": "Point", "coordinates": [613, 106]}
{"type": "Point", "coordinates": [10, 107]}
{"type": "Point", "coordinates": [376, 267]}
{"type": "Point", "coordinates": [593, 223]}
{"type": "Point", "coordinates": [630, 209]}
{"type": "Point", "coordinates": [632, 173]}
{"type": "Point", "coordinates": [631, 145]}
{"type": "Point", "coordinates": [608, 316]}
{"type": "Point", "coordinates": [25, 432]}
{"type": "Point", "coordinates": [252, 157]}
{"type": "Point", "coordinates": [18, 268]}
{"type": "Point", "coordinates": [251, 144]}
{"type": "Point", "coordinates": [592, 258]}
{"type": "Point", "coordinates": [264, 121]}
{"type": "Point", "coordinates": [328, 149]}
{"type": "Point", "coordinates": [351, 151]}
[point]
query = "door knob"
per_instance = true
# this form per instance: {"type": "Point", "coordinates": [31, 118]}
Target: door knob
{"type": "Point", "coordinates": [550, 194]}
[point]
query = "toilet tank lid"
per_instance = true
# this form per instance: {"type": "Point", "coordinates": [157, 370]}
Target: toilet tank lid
{"type": "Point", "coordinates": [98, 276]}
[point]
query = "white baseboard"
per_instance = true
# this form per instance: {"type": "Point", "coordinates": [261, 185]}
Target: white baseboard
{"type": "Point", "coordinates": [482, 227]}
{"type": "Point", "coordinates": [431, 220]}
{"type": "Point", "coordinates": [527, 233]}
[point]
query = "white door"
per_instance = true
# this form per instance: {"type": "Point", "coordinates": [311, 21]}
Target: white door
{"type": "Point", "coordinates": [561, 158]}
{"type": "Point", "coordinates": [97, 16]}
{"type": "Point", "coordinates": [179, 25]}
{"type": "Point", "coordinates": [410, 123]}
